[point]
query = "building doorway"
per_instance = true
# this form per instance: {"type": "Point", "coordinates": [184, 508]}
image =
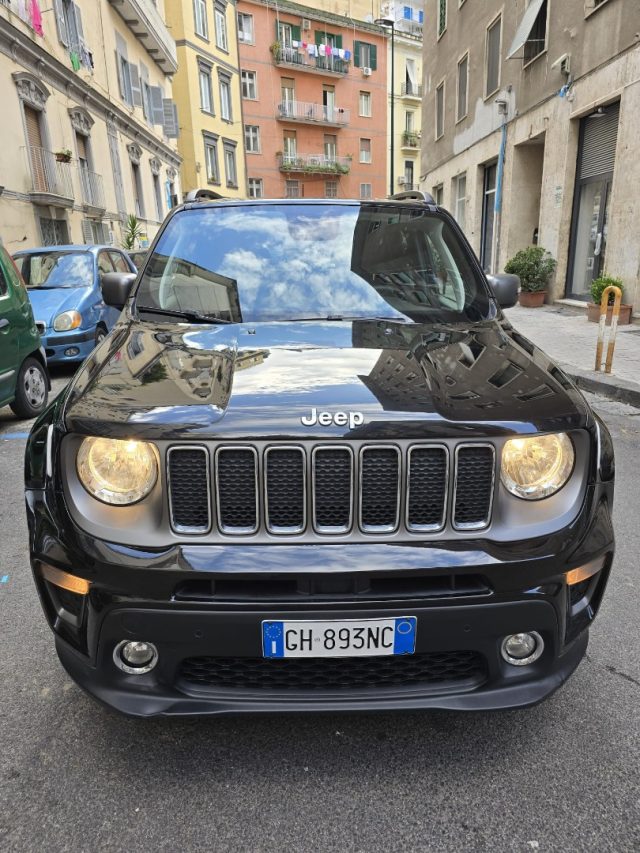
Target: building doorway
{"type": "Point", "coordinates": [488, 216]}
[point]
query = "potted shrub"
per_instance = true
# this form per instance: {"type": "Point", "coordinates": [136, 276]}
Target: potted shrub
{"type": "Point", "coordinates": [597, 289]}
{"type": "Point", "coordinates": [63, 156]}
{"type": "Point", "coordinates": [534, 266]}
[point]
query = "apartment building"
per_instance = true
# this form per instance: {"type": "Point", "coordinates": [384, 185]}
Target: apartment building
{"type": "Point", "coordinates": [530, 129]}
{"type": "Point", "coordinates": [206, 88]}
{"type": "Point", "coordinates": [314, 100]}
{"type": "Point", "coordinates": [90, 124]}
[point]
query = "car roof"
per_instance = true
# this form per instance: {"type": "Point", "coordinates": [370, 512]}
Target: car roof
{"type": "Point", "coordinates": [293, 202]}
{"type": "Point", "coordinates": [70, 247]}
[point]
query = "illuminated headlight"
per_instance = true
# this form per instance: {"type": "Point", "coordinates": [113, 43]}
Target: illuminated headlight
{"type": "Point", "coordinates": [537, 466]}
{"type": "Point", "coordinates": [117, 472]}
{"type": "Point", "coordinates": [67, 320]}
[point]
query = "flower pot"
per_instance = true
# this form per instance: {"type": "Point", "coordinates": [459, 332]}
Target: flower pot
{"type": "Point", "coordinates": [532, 299]}
{"type": "Point", "coordinates": [624, 318]}
{"type": "Point", "coordinates": [63, 158]}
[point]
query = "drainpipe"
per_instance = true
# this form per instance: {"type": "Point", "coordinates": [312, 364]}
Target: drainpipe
{"type": "Point", "coordinates": [497, 222]}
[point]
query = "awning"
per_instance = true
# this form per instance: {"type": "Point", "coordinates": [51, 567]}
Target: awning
{"type": "Point", "coordinates": [526, 25]}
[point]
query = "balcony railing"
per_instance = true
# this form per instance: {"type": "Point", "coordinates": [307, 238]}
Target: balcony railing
{"type": "Point", "coordinates": [146, 22]}
{"type": "Point", "coordinates": [411, 139]}
{"type": "Point", "coordinates": [411, 90]}
{"type": "Point", "coordinates": [92, 188]}
{"type": "Point", "coordinates": [314, 164]}
{"type": "Point", "coordinates": [291, 57]}
{"type": "Point", "coordinates": [50, 179]}
{"type": "Point", "coordinates": [313, 113]}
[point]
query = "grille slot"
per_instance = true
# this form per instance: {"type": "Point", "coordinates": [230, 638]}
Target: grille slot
{"type": "Point", "coordinates": [474, 486]}
{"type": "Point", "coordinates": [428, 478]}
{"type": "Point", "coordinates": [285, 489]}
{"type": "Point", "coordinates": [379, 489]}
{"type": "Point", "coordinates": [332, 489]}
{"type": "Point", "coordinates": [237, 489]}
{"type": "Point", "coordinates": [435, 668]}
{"type": "Point", "coordinates": [188, 472]}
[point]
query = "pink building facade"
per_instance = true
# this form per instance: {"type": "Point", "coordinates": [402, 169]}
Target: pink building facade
{"type": "Point", "coordinates": [314, 101]}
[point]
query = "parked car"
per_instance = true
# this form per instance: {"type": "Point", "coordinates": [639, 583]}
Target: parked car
{"type": "Point", "coordinates": [24, 378]}
{"type": "Point", "coordinates": [138, 257]}
{"type": "Point", "coordinates": [316, 468]}
{"type": "Point", "coordinates": [64, 288]}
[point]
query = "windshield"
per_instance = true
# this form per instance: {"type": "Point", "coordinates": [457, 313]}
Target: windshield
{"type": "Point", "coordinates": [56, 269]}
{"type": "Point", "coordinates": [294, 262]}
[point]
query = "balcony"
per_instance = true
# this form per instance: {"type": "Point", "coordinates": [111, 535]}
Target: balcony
{"type": "Point", "coordinates": [305, 113]}
{"type": "Point", "coordinates": [314, 164]}
{"type": "Point", "coordinates": [51, 182]}
{"type": "Point", "coordinates": [328, 66]}
{"type": "Point", "coordinates": [146, 23]}
{"type": "Point", "coordinates": [92, 191]}
{"type": "Point", "coordinates": [411, 90]}
{"type": "Point", "coordinates": [410, 140]}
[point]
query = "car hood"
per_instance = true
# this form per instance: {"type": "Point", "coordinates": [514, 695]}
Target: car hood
{"type": "Point", "coordinates": [175, 381]}
{"type": "Point", "coordinates": [48, 303]}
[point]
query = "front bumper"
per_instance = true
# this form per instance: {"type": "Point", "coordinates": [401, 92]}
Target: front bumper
{"type": "Point", "coordinates": [57, 344]}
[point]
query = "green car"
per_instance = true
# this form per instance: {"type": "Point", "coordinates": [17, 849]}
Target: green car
{"type": "Point", "coordinates": [24, 379]}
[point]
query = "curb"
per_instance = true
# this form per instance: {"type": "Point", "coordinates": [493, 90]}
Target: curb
{"type": "Point", "coordinates": [606, 385]}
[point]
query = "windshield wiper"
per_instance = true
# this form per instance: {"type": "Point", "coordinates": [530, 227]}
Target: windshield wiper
{"type": "Point", "coordinates": [191, 316]}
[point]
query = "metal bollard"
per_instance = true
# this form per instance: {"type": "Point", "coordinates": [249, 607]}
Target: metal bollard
{"type": "Point", "coordinates": [604, 305]}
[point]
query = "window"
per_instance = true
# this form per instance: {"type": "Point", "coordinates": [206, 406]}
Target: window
{"type": "Point", "coordinates": [249, 84]}
{"type": "Point", "coordinates": [408, 175]}
{"type": "Point", "coordinates": [440, 110]}
{"type": "Point", "coordinates": [331, 189]}
{"type": "Point", "coordinates": [460, 196]}
{"type": "Point", "coordinates": [157, 192]}
{"type": "Point", "coordinates": [230, 165]}
{"type": "Point", "coordinates": [252, 138]}
{"type": "Point", "coordinates": [286, 34]}
{"type": "Point", "coordinates": [408, 121]}
{"type": "Point", "coordinates": [69, 24]}
{"type": "Point", "coordinates": [365, 191]}
{"type": "Point", "coordinates": [255, 188]}
{"type": "Point", "coordinates": [411, 85]}
{"type": "Point", "coordinates": [200, 18]}
{"type": "Point", "coordinates": [365, 104]}
{"type": "Point", "coordinates": [221, 27]}
{"type": "Point", "coordinates": [124, 75]}
{"type": "Point", "coordinates": [463, 85]}
{"type": "Point", "coordinates": [290, 144]}
{"type": "Point", "coordinates": [211, 158]}
{"type": "Point", "coordinates": [537, 41]}
{"type": "Point", "coordinates": [225, 98]}
{"type": "Point", "coordinates": [365, 150]}
{"type": "Point", "coordinates": [438, 195]}
{"type": "Point", "coordinates": [442, 16]}
{"type": "Point", "coordinates": [365, 55]}
{"type": "Point", "coordinates": [206, 98]}
{"type": "Point", "coordinates": [245, 28]}
{"type": "Point", "coordinates": [492, 59]}
{"type": "Point", "coordinates": [330, 146]}
{"type": "Point", "coordinates": [292, 189]}
{"type": "Point", "coordinates": [147, 110]}
{"type": "Point", "coordinates": [137, 190]}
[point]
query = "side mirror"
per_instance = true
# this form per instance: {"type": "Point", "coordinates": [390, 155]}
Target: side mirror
{"type": "Point", "coordinates": [116, 287]}
{"type": "Point", "coordinates": [505, 288]}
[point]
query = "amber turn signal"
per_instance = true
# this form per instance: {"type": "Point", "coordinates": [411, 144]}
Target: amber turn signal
{"type": "Point", "coordinates": [585, 572]}
{"type": "Point", "coordinates": [64, 580]}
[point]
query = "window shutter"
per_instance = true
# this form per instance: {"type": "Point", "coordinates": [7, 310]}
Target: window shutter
{"type": "Point", "coordinates": [356, 54]}
{"type": "Point", "coordinates": [63, 35]}
{"type": "Point", "coordinates": [373, 50]}
{"type": "Point", "coordinates": [157, 107]}
{"type": "Point", "coordinates": [338, 41]}
{"type": "Point", "coordinates": [87, 231]}
{"type": "Point", "coordinates": [170, 122]}
{"type": "Point", "coordinates": [78, 17]}
{"type": "Point", "coordinates": [119, 70]}
{"type": "Point", "coordinates": [295, 33]}
{"type": "Point", "coordinates": [319, 36]}
{"type": "Point", "coordinates": [135, 85]}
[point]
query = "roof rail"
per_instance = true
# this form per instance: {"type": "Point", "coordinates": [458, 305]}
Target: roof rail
{"type": "Point", "coordinates": [202, 195]}
{"type": "Point", "coordinates": [413, 195]}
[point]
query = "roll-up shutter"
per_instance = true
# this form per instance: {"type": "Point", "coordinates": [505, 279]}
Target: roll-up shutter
{"type": "Point", "coordinates": [599, 138]}
{"type": "Point", "coordinates": [36, 149]}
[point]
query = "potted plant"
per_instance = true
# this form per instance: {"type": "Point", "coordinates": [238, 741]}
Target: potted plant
{"type": "Point", "coordinates": [63, 156]}
{"type": "Point", "coordinates": [534, 266]}
{"type": "Point", "coordinates": [597, 289]}
{"type": "Point", "coordinates": [276, 50]}
{"type": "Point", "coordinates": [133, 231]}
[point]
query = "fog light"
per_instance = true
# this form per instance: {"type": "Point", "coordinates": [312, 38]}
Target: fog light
{"type": "Point", "coordinates": [72, 351]}
{"type": "Point", "coordinates": [135, 657]}
{"type": "Point", "coordinates": [522, 649]}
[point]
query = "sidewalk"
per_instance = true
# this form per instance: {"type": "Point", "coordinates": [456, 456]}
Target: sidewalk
{"type": "Point", "coordinates": [568, 338]}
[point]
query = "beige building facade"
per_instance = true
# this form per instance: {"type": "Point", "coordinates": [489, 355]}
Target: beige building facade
{"type": "Point", "coordinates": [530, 132]}
{"type": "Point", "coordinates": [90, 124]}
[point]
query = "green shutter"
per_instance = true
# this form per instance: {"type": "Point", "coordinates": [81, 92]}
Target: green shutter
{"type": "Point", "coordinates": [356, 54]}
{"type": "Point", "coordinates": [277, 31]}
{"type": "Point", "coordinates": [339, 42]}
{"type": "Point", "coordinates": [319, 36]}
{"type": "Point", "coordinates": [295, 33]}
{"type": "Point", "coordinates": [374, 56]}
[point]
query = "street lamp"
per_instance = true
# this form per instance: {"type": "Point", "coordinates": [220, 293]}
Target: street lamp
{"type": "Point", "coordinates": [389, 23]}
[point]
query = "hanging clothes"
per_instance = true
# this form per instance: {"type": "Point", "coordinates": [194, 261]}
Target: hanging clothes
{"type": "Point", "coordinates": [36, 18]}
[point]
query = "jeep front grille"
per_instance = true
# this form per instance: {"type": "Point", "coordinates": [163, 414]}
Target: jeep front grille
{"type": "Point", "coordinates": [331, 489]}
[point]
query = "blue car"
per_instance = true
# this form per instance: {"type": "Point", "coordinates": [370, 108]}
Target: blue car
{"type": "Point", "coordinates": [64, 289]}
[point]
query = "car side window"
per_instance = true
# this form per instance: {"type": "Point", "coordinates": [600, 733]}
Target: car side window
{"type": "Point", "coordinates": [4, 288]}
{"type": "Point", "coordinates": [119, 262]}
{"type": "Point", "coordinates": [104, 263]}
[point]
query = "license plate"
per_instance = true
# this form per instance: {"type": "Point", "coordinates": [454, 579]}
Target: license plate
{"type": "Point", "coordinates": [344, 639]}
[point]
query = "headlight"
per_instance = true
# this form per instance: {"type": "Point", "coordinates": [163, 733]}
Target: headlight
{"type": "Point", "coordinates": [115, 471]}
{"type": "Point", "coordinates": [538, 466]}
{"type": "Point", "coordinates": [67, 320]}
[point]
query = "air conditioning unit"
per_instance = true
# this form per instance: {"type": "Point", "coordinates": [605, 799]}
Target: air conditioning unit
{"type": "Point", "coordinates": [366, 71]}
{"type": "Point", "coordinates": [306, 24]}
{"type": "Point", "coordinates": [401, 180]}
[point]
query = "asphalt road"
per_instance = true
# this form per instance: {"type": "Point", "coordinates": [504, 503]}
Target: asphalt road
{"type": "Point", "coordinates": [562, 776]}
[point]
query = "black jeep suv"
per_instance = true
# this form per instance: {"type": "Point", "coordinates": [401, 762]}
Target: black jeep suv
{"type": "Point", "coordinates": [313, 467]}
